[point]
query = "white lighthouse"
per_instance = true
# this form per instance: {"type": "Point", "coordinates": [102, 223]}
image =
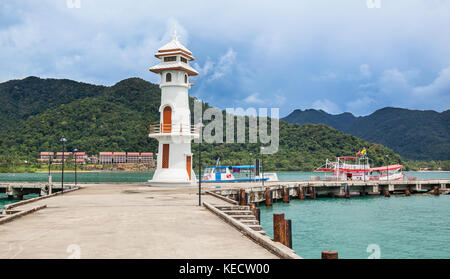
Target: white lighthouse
{"type": "Point", "coordinates": [174, 132]}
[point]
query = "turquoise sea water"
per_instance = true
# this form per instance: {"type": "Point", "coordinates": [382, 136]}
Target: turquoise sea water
{"type": "Point", "coordinates": [97, 177]}
{"type": "Point", "coordinates": [415, 227]}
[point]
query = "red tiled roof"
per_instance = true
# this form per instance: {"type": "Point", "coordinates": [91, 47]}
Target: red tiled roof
{"type": "Point", "coordinates": [133, 153]}
{"type": "Point", "coordinates": [105, 153]}
{"type": "Point", "coordinates": [146, 154]}
{"type": "Point", "coordinates": [120, 153]}
{"type": "Point", "coordinates": [80, 153]}
{"type": "Point", "coordinates": [47, 153]}
{"type": "Point", "coordinates": [65, 153]}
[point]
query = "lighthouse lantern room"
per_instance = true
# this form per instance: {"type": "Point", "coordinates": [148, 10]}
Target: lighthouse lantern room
{"type": "Point", "coordinates": [174, 132]}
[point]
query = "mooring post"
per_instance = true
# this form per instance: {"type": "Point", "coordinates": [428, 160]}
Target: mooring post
{"type": "Point", "coordinates": [347, 191]}
{"type": "Point", "coordinates": [288, 233]}
{"type": "Point", "coordinates": [268, 196]}
{"type": "Point", "coordinates": [301, 194]}
{"type": "Point", "coordinates": [329, 255]}
{"type": "Point", "coordinates": [312, 192]}
{"type": "Point", "coordinates": [257, 214]}
{"type": "Point", "coordinates": [407, 192]}
{"type": "Point", "coordinates": [278, 227]}
{"type": "Point", "coordinates": [387, 194]}
{"type": "Point", "coordinates": [285, 194]}
{"type": "Point", "coordinates": [252, 206]}
{"type": "Point", "coordinates": [436, 191]}
{"type": "Point", "coordinates": [242, 200]}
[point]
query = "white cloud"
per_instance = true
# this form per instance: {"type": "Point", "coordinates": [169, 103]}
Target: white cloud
{"type": "Point", "coordinates": [439, 86]}
{"type": "Point", "coordinates": [365, 71]}
{"type": "Point", "coordinates": [398, 87]}
{"type": "Point", "coordinates": [326, 105]}
{"type": "Point", "coordinates": [211, 71]}
{"type": "Point", "coordinates": [361, 106]}
{"type": "Point", "coordinates": [224, 65]}
{"type": "Point", "coordinates": [254, 99]}
{"type": "Point", "coordinates": [326, 76]}
{"type": "Point", "coordinates": [105, 41]}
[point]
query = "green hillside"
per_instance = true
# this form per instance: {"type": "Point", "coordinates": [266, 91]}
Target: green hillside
{"type": "Point", "coordinates": [116, 118]}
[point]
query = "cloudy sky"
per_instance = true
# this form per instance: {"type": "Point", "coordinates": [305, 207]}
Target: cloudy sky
{"type": "Point", "coordinates": [347, 55]}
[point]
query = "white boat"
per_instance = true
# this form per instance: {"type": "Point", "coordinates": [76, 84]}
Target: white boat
{"type": "Point", "coordinates": [236, 174]}
{"type": "Point", "coordinates": [358, 169]}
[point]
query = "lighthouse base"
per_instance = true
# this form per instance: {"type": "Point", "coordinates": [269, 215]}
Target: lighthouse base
{"type": "Point", "coordinates": [170, 184]}
{"type": "Point", "coordinates": [172, 178]}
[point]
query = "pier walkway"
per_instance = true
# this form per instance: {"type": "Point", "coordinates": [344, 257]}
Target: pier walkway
{"type": "Point", "coordinates": [125, 221]}
{"type": "Point", "coordinates": [256, 193]}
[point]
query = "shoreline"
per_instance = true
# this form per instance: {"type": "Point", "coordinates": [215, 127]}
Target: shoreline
{"type": "Point", "coordinates": [119, 171]}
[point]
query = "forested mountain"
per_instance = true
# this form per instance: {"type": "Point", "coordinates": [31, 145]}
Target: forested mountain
{"type": "Point", "coordinates": [97, 118]}
{"type": "Point", "coordinates": [414, 134]}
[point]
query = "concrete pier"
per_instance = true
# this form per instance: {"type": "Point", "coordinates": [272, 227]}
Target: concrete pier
{"type": "Point", "coordinates": [125, 221]}
{"type": "Point", "coordinates": [18, 190]}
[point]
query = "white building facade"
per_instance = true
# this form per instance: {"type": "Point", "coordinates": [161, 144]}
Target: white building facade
{"type": "Point", "coordinates": [174, 132]}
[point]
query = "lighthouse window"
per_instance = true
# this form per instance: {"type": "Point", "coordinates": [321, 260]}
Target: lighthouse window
{"type": "Point", "coordinates": [183, 60]}
{"type": "Point", "coordinates": [168, 77]}
{"type": "Point", "coordinates": [170, 58]}
{"type": "Point", "coordinates": [185, 78]}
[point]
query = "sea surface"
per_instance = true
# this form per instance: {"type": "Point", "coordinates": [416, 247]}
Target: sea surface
{"type": "Point", "coordinates": [118, 176]}
{"type": "Point", "coordinates": [399, 227]}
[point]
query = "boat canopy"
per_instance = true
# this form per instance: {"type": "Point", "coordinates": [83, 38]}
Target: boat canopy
{"type": "Point", "coordinates": [234, 167]}
{"type": "Point", "coordinates": [385, 168]}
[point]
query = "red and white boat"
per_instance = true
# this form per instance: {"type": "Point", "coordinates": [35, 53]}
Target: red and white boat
{"type": "Point", "coordinates": [358, 169]}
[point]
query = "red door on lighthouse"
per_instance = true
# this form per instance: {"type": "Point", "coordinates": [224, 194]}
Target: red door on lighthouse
{"type": "Point", "coordinates": [167, 120]}
{"type": "Point", "coordinates": [165, 156]}
{"type": "Point", "coordinates": [189, 165]}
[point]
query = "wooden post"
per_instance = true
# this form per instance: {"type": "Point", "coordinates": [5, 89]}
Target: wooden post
{"type": "Point", "coordinates": [407, 192]}
{"type": "Point", "coordinates": [288, 233]}
{"type": "Point", "coordinates": [242, 200]}
{"type": "Point", "coordinates": [278, 227]}
{"type": "Point", "coordinates": [285, 194]}
{"type": "Point", "coordinates": [252, 206]}
{"type": "Point", "coordinates": [312, 192]}
{"type": "Point", "coordinates": [301, 194]}
{"type": "Point", "coordinates": [329, 255]}
{"type": "Point", "coordinates": [387, 194]}
{"type": "Point", "coordinates": [436, 191]}
{"type": "Point", "coordinates": [257, 214]}
{"type": "Point", "coordinates": [268, 196]}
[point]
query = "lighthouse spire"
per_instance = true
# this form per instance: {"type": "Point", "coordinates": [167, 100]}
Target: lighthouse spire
{"type": "Point", "coordinates": [175, 34]}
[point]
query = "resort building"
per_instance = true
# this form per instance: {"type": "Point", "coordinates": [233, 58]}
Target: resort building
{"type": "Point", "coordinates": [105, 157]}
{"type": "Point", "coordinates": [119, 157]}
{"type": "Point", "coordinates": [59, 155]}
{"type": "Point", "coordinates": [146, 158]}
{"type": "Point", "coordinates": [133, 157]}
{"type": "Point", "coordinates": [80, 155]}
{"type": "Point", "coordinates": [45, 157]}
{"type": "Point", "coordinates": [93, 159]}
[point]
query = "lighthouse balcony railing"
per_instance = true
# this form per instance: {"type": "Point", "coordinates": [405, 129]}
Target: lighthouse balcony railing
{"type": "Point", "coordinates": [174, 129]}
